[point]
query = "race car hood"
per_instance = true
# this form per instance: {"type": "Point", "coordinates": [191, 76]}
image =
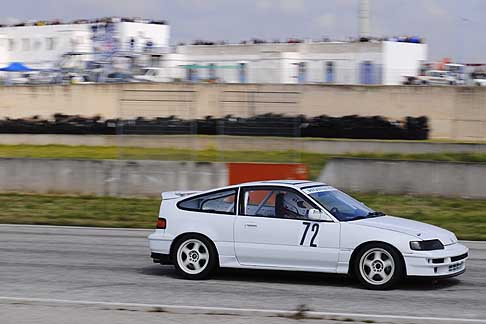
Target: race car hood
{"type": "Point", "coordinates": [419, 230]}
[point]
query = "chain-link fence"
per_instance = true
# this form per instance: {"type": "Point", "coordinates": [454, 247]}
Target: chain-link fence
{"type": "Point", "coordinates": [172, 119]}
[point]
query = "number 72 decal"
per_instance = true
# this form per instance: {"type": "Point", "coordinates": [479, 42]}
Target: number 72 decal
{"type": "Point", "coordinates": [314, 229]}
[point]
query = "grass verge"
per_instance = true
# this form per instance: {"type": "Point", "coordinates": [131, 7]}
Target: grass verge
{"type": "Point", "coordinates": [467, 218]}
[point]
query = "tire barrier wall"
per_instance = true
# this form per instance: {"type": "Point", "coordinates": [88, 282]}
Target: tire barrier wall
{"type": "Point", "coordinates": [454, 112]}
{"type": "Point", "coordinates": [356, 127]}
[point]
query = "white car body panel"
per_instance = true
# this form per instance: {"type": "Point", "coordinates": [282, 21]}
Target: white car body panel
{"type": "Point", "coordinates": [262, 241]}
{"type": "Point", "coordinates": [277, 243]}
{"type": "Point", "coordinates": [413, 228]}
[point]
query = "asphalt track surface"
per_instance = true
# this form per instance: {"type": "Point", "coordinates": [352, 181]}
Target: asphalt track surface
{"type": "Point", "coordinates": [48, 267]}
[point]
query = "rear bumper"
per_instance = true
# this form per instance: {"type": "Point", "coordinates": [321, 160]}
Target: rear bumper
{"type": "Point", "coordinates": [158, 243]}
{"type": "Point", "coordinates": [159, 247]}
{"type": "Point", "coordinates": [446, 263]}
{"type": "Point", "coordinates": [161, 258]}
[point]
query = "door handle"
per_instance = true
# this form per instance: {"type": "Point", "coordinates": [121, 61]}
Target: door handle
{"type": "Point", "coordinates": [252, 225]}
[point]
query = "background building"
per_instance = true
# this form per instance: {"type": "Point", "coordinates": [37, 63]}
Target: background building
{"type": "Point", "coordinates": [376, 62]}
{"type": "Point", "coordinates": [47, 44]}
{"type": "Point", "coordinates": [99, 47]}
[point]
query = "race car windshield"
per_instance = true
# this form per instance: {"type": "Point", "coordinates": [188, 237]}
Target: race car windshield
{"type": "Point", "coordinates": [342, 206]}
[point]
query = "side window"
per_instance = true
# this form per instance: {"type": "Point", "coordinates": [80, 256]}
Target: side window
{"type": "Point", "coordinates": [289, 204]}
{"type": "Point", "coordinates": [222, 202]}
{"type": "Point", "coordinates": [278, 203]}
{"type": "Point", "coordinates": [259, 203]}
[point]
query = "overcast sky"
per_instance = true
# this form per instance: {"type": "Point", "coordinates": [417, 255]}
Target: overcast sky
{"type": "Point", "coordinates": [452, 28]}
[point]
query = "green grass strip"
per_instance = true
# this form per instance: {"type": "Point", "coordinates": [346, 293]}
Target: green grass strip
{"type": "Point", "coordinates": [467, 218]}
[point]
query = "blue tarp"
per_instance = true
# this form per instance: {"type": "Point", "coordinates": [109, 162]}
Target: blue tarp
{"type": "Point", "coordinates": [16, 67]}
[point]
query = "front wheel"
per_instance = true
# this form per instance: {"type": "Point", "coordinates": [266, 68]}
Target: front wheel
{"type": "Point", "coordinates": [378, 266]}
{"type": "Point", "coordinates": [195, 257]}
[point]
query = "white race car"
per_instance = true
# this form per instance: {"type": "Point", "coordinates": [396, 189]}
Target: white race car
{"type": "Point", "coordinates": [299, 226]}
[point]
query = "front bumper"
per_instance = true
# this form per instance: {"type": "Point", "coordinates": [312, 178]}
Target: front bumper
{"type": "Point", "coordinates": [446, 263]}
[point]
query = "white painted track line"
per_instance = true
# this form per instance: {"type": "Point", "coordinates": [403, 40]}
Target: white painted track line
{"type": "Point", "coordinates": [80, 227]}
{"type": "Point", "coordinates": [186, 309]}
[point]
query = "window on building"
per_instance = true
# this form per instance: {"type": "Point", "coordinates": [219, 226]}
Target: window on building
{"type": "Point", "coordinates": [367, 72]}
{"type": "Point", "coordinates": [155, 60]}
{"type": "Point", "coordinates": [191, 74]}
{"type": "Point", "coordinates": [242, 70]}
{"type": "Point", "coordinates": [37, 44]}
{"type": "Point", "coordinates": [50, 43]}
{"type": "Point", "coordinates": [329, 72]}
{"type": "Point", "coordinates": [25, 44]}
{"type": "Point", "coordinates": [302, 71]}
{"type": "Point", "coordinates": [212, 71]}
{"type": "Point", "coordinates": [11, 44]}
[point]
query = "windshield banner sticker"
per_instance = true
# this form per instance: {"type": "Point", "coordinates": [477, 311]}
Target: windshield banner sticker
{"type": "Point", "coordinates": [318, 189]}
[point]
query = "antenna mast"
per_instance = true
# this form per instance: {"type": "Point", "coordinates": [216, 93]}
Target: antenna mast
{"type": "Point", "coordinates": [364, 18]}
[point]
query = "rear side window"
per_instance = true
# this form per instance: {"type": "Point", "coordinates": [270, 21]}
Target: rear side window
{"type": "Point", "coordinates": [221, 202]}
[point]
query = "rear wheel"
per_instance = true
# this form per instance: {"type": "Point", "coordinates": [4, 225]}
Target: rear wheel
{"type": "Point", "coordinates": [378, 266]}
{"type": "Point", "coordinates": [195, 257]}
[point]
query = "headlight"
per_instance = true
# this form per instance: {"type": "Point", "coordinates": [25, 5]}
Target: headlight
{"type": "Point", "coordinates": [426, 245]}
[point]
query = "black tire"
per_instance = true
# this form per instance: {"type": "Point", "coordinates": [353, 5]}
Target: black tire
{"type": "Point", "coordinates": [394, 273]}
{"type": "Point", "coordinates": [204, 256]}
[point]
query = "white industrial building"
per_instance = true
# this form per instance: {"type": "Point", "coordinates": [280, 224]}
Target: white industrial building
{"type": "Point", "coordinates": [365, 61]}
{"type": "Point", "coordinates": [142, 43]}
{"type": "Point", "coordinates": [44, 45]}
{"type": "Point", "coordinates": [380, 62]}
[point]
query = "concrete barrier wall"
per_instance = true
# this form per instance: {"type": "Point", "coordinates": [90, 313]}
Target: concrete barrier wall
{"type": "Point", "coordinates": [454, 112]}
{"type": "Point", "coordinates": [108, 177]}
{"type": "Point", "coordinates": [150, 178]}
{"type": "Point", "coordinates": [407, 177]}
{"type": "Point", "coordinates": [243, 143]}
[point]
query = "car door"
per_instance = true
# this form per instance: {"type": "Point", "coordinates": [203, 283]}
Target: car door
{"type": "Point", "coordinates": [272, 230]}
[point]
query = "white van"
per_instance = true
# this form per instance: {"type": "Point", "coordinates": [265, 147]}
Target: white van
{"type": "Point", "coordinates": [153, 74]}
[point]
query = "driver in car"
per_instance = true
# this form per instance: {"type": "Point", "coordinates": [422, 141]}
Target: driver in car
{"type": "Point", "coordinates": [290, 205]}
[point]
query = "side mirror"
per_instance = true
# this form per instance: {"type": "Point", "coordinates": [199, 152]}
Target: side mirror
{"type": "Point", "coordinates": [317, 215]}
